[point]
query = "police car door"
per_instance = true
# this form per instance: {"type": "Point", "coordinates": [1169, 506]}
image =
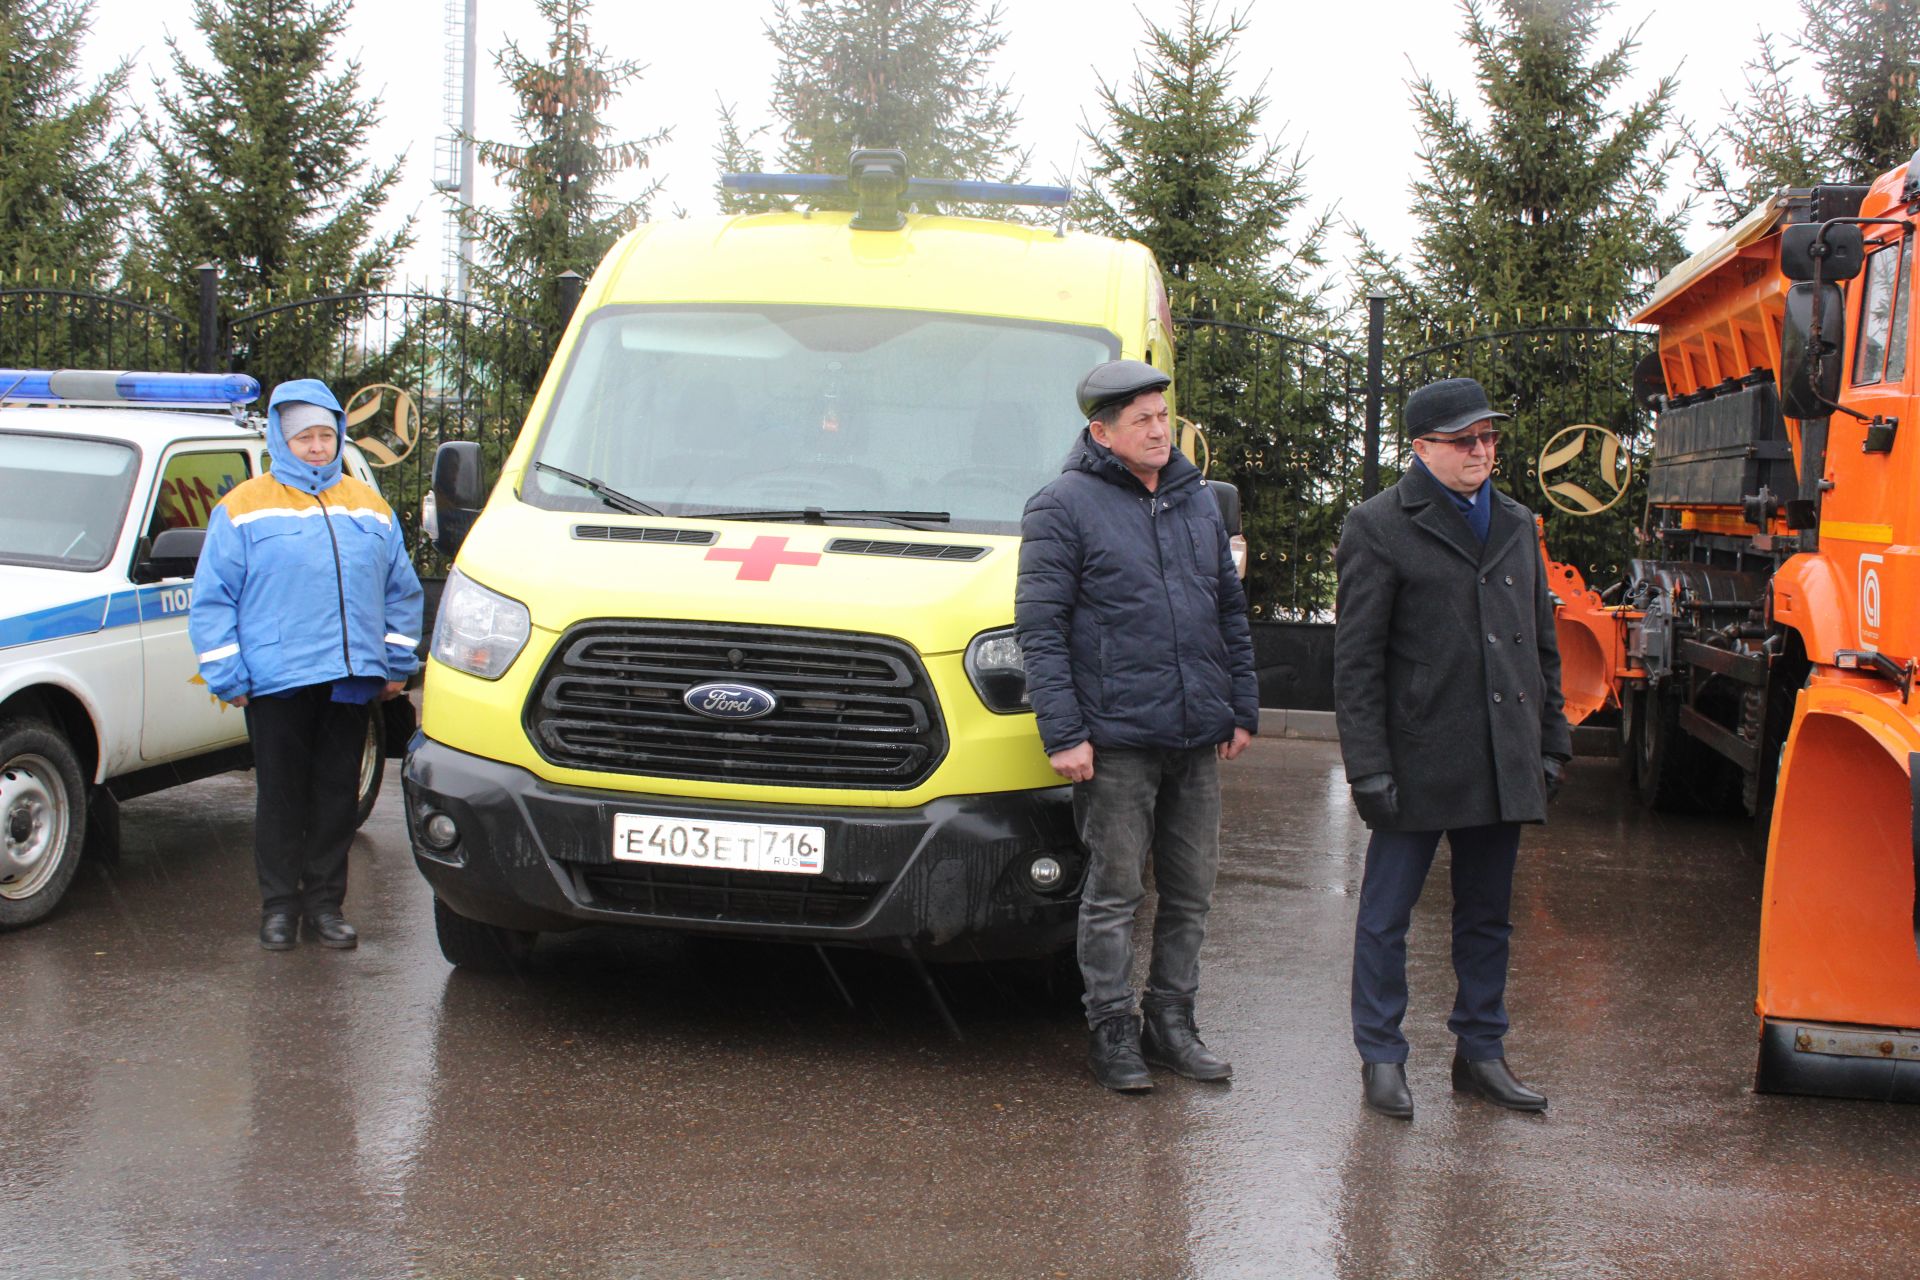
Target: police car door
{"type": "Point", "coordinates": [181, 717]}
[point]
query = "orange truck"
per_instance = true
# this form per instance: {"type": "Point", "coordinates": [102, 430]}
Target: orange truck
{"type": "Point", "coordinates": [1762, 653]}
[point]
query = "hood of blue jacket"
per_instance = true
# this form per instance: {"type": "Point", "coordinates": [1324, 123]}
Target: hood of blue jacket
{"type": "Point", "coordinates": [1088, 454]}
{"type": "Point", "coordinates": [297, 472]}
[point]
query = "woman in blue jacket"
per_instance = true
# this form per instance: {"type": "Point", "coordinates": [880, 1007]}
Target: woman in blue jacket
{"type": "Point", "coordinates": [306, 610]}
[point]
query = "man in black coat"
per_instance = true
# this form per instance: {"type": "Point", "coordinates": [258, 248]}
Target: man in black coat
{"type": "Point", "coordinates": [1139, 662]}
{"type": "Point", "coordinates": [1447, 695]}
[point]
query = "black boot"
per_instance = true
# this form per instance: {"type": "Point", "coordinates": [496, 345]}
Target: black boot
{"type": "Point", "coordinates": [1113, 1054]}
{"type": "Point", "coordinates": [1492, 1080]}
{"type": "Point", "coordinates": [277, 931]}
{"type": "Point", "coordinates": [330, 929]}
{"type": "Point", "coordinates": [1169, 1039]}
{"type": "Point", "coordinates": [1383, 1087]}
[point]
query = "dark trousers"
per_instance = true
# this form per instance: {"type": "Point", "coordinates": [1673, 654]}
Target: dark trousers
{"type": "Point", "coordinates": [1397, 864]}
{"type": "Point", "coordinates": [306, 769]}
{"type": "Point", "coordinates": [1139, 803]}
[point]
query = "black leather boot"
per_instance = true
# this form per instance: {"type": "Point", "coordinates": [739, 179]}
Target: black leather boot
{"type": "Point", "coordinates": [330, 929]}
{"type": "Point", "coordinates": [278, 931]}
{"type": "Point", "coordinates": [1383, 1087]}
{"type": "Point", "coordinates": [1169, 1039]}
{"type": "Point", "coordinates": [1492, 1080]}
{"type": "Point", "coordinates": [1113, 1054]}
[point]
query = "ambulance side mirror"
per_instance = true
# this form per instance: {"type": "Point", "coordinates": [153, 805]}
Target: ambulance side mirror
{"type": "Point", "coordinates": [1227, 498]}
{"type": "Point", "coordinates": [459, 491]}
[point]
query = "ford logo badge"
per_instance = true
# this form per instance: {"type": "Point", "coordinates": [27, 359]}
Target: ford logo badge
{"type": "Point", "coordinates": [730, 701]}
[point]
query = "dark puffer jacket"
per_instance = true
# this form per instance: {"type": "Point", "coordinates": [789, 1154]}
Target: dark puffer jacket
{"type": "Point", "coordinates": [1131, 617]}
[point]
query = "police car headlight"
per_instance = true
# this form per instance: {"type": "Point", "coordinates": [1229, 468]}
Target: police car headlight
{"type": "Point", "coordinates": [998, 671]}
{"type": "Point", "coordinates": [479, 631]}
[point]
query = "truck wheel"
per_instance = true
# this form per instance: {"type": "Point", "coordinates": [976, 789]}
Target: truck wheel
{"type": "Point", "coordinates": [484, 948]}
{"type": "Point", "coordinates": [43, 819]}
{"type": "Point", "coordinates": [373, 767]}
{"type": "Point", "coordinates": [1666, 764]}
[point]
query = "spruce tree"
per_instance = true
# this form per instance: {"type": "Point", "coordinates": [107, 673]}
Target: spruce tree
{"type": "Point", "coordinates": [912, 74]}
{"type": "Point", "coordinates": [68, 179]}
{"type": "Point", "coordinates": [258, 159]}
{"type": "Point", "coordinates": [560, 215]}
{"type": "Point", "coordinates": [1864, 120]}
{"type": "Point", "coordinates": [1180, 162]}
{"type": "Point", "coordinates": [1550, 213]}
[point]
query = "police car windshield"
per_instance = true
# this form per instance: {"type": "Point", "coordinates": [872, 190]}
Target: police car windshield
{"type": "Point", "coordinates": [62, 499]}
{"type": "Point", "coordinates": [697, 410]}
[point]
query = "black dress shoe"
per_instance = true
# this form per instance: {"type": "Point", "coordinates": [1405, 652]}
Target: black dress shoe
{"type": "Point", "coordinates": [278, 931]}
{"type": "Point", "coordinates": [1113, 1054]}
{"type": "Point", "coordinates": [1490, 1079]}
{"type": "Point", "coordinates": [330, 929]}
{"type": "Point", "coordinates": [1383, 1087]}
{"type": "Point", "coordinates": [1169, 1039]}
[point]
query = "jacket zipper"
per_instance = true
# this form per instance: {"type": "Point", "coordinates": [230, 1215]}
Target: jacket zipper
{"type": "Point", "coordinates": [1160, 559]}
{"type": "Point", "coordinates": [339, 582]}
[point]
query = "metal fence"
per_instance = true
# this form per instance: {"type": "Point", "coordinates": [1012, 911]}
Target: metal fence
{"type": "Point", "coordinates": [80, 329]}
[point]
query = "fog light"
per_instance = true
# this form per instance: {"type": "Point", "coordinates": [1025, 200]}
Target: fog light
{"type": "Point", "coordinates": [438, 831]}
{"type": "Point", "coordinates": [1045, 873]}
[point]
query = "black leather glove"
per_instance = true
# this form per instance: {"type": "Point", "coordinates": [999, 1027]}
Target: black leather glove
{"type": "Point", "coordinates": [1555, 770]}
{"type": "Point", "coordinates": [1377, 799]}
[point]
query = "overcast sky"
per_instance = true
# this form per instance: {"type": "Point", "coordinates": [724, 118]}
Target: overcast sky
{"type": "Point", "coordinates": [1336, 75]}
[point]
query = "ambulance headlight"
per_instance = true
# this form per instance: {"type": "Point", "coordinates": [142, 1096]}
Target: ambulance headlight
{"type": "Point", "coordinates": [998, 671]}
{"type": "Point", "coordinates": [479, 631]}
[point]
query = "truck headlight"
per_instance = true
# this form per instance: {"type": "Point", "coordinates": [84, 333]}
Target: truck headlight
{"type": "Point", "coordinates": [998, 671]}
{"type": "Point", "coordinates": [479, 631]}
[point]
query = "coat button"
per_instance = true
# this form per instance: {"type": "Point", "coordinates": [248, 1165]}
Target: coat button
{"type": "Point", "coordinates": [1520, 697]}
{"type": "Point", "coordinates": [1496, 697]}
{"type": "Point", "coordinates": [1483, 579]}
{"type": "Point", "coordinates": [1509, 579]}
{"type": "Point", "coordinates": [1492, 638]}
{"type": "Point", "coordinates": [1517, 639]}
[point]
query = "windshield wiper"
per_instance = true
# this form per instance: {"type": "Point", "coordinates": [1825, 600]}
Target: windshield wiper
{"type": "Point", "coordinates": [819, 515]}
{"type": "Point", "coordinates": [605, 492]}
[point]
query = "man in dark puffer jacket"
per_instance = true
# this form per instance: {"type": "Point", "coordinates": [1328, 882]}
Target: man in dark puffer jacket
{"type": "Point", "coordinates": [1140, 667]}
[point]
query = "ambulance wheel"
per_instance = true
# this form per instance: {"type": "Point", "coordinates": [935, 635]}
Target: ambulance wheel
{"type": "Point", "coordinates": [43, 819]}
{"type": "Point", "coordinates": [373, 766]}
{"type": "Point", "coordinates": [483, 948]}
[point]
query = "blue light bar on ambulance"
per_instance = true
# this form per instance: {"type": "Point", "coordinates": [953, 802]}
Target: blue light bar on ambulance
{"type": "Point", "coordinates": [828, 184]}
{"type": "Point", "coordinates": [98, 386]}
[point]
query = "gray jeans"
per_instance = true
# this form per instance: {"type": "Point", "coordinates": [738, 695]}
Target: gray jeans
{"type": "Point", "coordinates": [1166, 803]}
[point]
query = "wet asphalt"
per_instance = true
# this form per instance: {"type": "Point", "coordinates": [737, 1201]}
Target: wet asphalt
{"type": "Point", "coordinates": [177, 1102]}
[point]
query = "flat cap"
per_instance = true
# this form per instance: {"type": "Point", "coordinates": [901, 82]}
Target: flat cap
{"type": "Point", "coordinates": [1444, 407]}
{"type": "Point", "coordinates": [1115, 382]}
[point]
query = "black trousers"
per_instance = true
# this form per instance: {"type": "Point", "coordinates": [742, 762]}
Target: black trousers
{"type": "Point", "coordinates": [1397, 865]}
{"type": "Point", "coordinates": [306, 767]}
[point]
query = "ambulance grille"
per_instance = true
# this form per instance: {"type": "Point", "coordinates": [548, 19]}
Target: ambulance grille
{"type": "Point", "coordinates": [854, 711]}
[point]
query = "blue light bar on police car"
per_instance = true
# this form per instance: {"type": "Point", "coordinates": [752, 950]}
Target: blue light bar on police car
{"type": "Point", "coordinates": [97, 386]}
{"type": "Point", "coordinates": [827, 184]}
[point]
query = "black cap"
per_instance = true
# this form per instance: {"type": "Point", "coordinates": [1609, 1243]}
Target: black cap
{"type": "Point", "coordinates": [1117, 382]}
{"type": "Point", "coordinates": [1444, 407]}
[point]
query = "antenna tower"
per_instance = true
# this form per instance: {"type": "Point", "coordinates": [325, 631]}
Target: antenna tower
{"type": "Point", "coordinates": [453, 149]}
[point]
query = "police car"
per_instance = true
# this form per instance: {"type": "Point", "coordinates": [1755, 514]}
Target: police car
{"type": "Point", "coordinates": [106, 483]}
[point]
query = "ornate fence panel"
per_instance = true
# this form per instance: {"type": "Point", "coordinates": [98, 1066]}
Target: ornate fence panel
{"type": "Point", "coordinates": [1283, 416]}
{"type": "Point", "coordinates": [1575, 446]}
{"type": "Point", "coordinates": [47, 328]}
{"type": "Point", "coordinates": [412, 370]}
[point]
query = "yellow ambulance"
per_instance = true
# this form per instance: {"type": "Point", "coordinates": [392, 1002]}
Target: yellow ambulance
{"type": "Point", "coordinates": [728, 647]}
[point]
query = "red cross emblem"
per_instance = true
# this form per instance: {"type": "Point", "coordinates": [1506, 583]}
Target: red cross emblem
{"type": "Point", "coordinates": [758, 561]}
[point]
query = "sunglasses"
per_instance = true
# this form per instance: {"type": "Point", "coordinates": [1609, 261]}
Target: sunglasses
{"type": "Point", "coordinates": [1465, 443]}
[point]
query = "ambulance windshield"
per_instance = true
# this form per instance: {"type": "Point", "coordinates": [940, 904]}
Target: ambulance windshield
{"type": "Point", "coordinates": [62, 499]}
{"type": "Point", "coordinates": [708, 409]}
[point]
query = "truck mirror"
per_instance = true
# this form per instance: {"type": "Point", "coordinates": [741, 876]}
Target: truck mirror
{"type": "Point", "coordinates": [459, 491]}
{"type": "Point", "coordinates": [1839, 254]}
{"type": "Point", "coordinates": [175, 554]}
{"type": "Point", "coordinates": [1809, 377]}
{"type": "Point", "coordinates": [1227, 496]}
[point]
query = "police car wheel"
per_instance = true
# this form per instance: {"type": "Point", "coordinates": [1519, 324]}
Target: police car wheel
{"type": "Point", "coordinates": [43, 819]}
{"type": "Point", "coordinates": [373, 762]}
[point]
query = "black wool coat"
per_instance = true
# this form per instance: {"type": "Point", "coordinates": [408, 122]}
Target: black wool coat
{"type": "Point", "coordinates": [1131, 619]}
{"type": "Point", "coordinates": [1446, 671]}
